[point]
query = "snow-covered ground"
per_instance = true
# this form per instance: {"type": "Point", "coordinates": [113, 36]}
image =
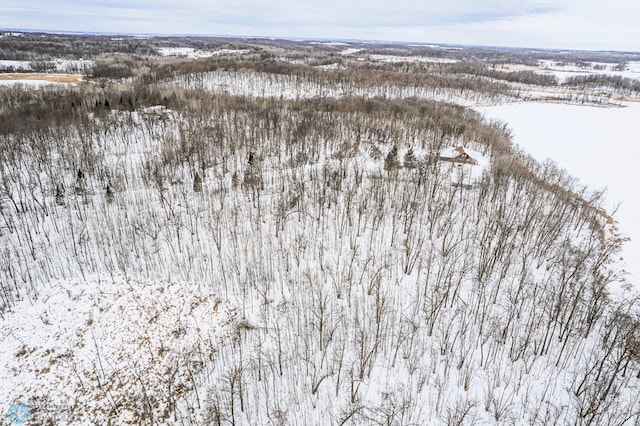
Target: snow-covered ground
{"type": "Point", "coordinates": [59, 65]}
{"type": "Point", "coordinates": [16, 65]}
{"type": "Point", "coordinates": [248, 83]}
{"type": "Point", "coordinates": [330, 43]}
{"type": "Point", "coordinates": [177, 51]}
{"type": "Point", "coordinates": [350, 51]}
{"type": "Point", "coordinates": [37, 80]}
{"type": "Point", "coordinates": [599, 146]}
{"type": "Point", "coordinates": [34, 84]}
{"type": "Point", "coordinates": [565, 71]}
{"type": "Point", "coordinates": [87, 347]}
{"type": "Point", "coordinates": [192, 53]}
{"type": "Point", "coordinates": [395, 58]}
{"type": "Point", "coordinates": [72, 65]}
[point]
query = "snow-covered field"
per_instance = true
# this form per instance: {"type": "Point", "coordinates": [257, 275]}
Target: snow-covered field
{"type": "Point", "coordinates": [565, 71]}
{"type": "Point", "coordinates": [59, 65]}
{"type": "Point", "coordinates": [599, 146]}
{"type": "Point", "coordinates": [395, 58]}
{"type": "Point", "coordinates": [192, 53]}
{"type": "Point", "coordinates": [34, 84]}
{"type": "Point", "coordinates": [16, 65]}
{"type": "Point", "coordinates": [38, 80]}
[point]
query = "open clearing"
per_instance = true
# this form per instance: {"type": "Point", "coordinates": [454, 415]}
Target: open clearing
{"type": "Point", "coordinates": [53, 78]}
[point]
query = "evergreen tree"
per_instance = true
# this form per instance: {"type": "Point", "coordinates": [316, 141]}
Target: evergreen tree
{"type": "Point", "coordinates": [410, 160]}
{"type": "Point", "coordinates": [391, 160]}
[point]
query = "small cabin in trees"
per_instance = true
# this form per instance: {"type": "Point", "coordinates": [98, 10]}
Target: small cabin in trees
{"type": "Point", "coordinates": [461, 156]}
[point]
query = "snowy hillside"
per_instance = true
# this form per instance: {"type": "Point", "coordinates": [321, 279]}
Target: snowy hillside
{"type": "Point", "coordinates": [109, 350]}
{"type": "Point", "coordinates": [596, 146]}
{"type": "Point", "coordinates": [249, 243]}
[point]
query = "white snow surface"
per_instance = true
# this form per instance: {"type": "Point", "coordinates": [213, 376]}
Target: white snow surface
{"type": "Point", "coordinates": [255, 84]}
{"type": "Point", "coordinates": [564, 71]}
{"type": "Point", "coordinates": [87, 346]}
{"type": "Point", "coordinates": [35, 84]}
{"type": "Point", "coordinates": [192, 53]}
{"type": "Point", "coordinates": [72, 65]}
{"type": "Point", "coordinates": [16, 65]}
{"type": "Point", "coordinates": [396, 58]}
{"type": "Point", "coordinates": [350, 51]}
{"type": "Point", "coordinates": [59, 65]}
{"type": "Point", "coordinates": [599, 146]}
{"type": "Point", "coordinates": [330, 43]}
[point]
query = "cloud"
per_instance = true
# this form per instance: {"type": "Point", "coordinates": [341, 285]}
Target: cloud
{"type": "Point", "coordinates": [585, 24]}
{"type": "Point", "coordinates": [289, 12]}
{"type": "Point", "coordinates": [377, 12]}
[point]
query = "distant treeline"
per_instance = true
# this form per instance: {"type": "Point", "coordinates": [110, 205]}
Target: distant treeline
{"type": "Point", "coordinates": [602, 80]}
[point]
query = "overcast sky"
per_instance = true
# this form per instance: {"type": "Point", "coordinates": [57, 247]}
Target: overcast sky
{"type": "Point", "coordinates": [565, 24]}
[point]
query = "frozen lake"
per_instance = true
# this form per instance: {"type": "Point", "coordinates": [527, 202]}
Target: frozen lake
{"type": "Point", "coordinates": [599, 146]}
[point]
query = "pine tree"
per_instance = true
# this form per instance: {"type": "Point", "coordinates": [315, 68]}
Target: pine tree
{"type": "Point", "coordinates": [410, 160]}
{"type": "Point", "coordinates": [391, 160]}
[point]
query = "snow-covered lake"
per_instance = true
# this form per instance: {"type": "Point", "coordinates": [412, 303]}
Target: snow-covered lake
{"type": "Point", "coordinates": [599, 146]}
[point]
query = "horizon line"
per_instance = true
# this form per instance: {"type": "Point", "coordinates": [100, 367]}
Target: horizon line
{"type": "Point", "coordinates": [300, 38]}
